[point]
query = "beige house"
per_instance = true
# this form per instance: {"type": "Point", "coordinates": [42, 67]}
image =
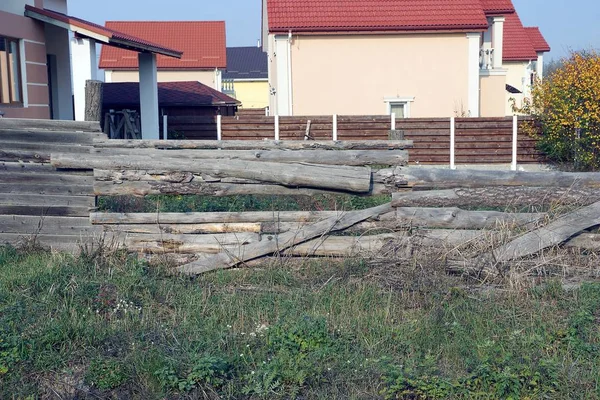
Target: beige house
{"type": "Point", "coordinates": [408, 57]}
{"type": "Point", "coordinates": [202, 43]}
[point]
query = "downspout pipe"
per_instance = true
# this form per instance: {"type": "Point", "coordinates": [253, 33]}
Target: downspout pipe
{"type": "Point", "coordinates": [289, 71]}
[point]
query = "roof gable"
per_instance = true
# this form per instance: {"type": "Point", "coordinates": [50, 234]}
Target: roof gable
{"type": "Point", "coordinates": [497, 7]}
{"type": "Point", "coordinates": [538, 41]}
{"type": "Point", "coordinates": [517, 43]}
{"type": "Point", "coordinates": [183, 94]}
{"type": "Point", "coordinates": [374, 15]}
{"type": "Point", "coordinates": [202, 43]}
{"type": "Point", "coordinates": [246, 63]}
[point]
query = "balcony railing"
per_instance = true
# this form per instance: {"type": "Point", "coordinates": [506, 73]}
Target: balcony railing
{"type": "Point", "coordinates": [486, 58]}
{"type": "Point", "coordinates": [227, 87]}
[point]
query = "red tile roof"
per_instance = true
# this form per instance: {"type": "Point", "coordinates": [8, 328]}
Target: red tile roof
{"type": "Point", "coordinates": [374, 15]}
{"type": "Point", "coordinates": [517, 43]}
{"type": "Point", "coordinates": [183, 94]}
{"type": "Point", "coordinates": [500, 7]}
{"type": "Point", "coordinates": [113, 37]}
{"type": "Point", "coordinates": [537, 39]}
{"type": "Point", "coordinates": [202, 43]}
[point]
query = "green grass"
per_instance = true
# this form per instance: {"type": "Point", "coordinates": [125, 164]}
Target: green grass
{"type": "Point", "coordinates": [119, 328]}
{"type": "Point", "coordinates": [195, 203]}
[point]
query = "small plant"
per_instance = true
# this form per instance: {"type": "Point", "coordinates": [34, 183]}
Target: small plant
{"type": "Point", "coordinates": [106, 374]}
{"type": "Point", "coordinates": [209, 371]}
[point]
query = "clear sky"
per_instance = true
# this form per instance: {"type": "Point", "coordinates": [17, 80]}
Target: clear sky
{"type": "Point", "coordinates": [566, 24]}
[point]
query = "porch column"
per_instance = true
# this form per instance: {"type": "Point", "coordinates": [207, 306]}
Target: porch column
{"type": "Point", "coordinates": [83, 54]}
{"type": "Point", "coordinates": [474, 40]}
{"type": "Point", "coordinates": [148, 95]}
{"type": "Point", "coordinates": [540, 66]}
{"type": "Point", "coordinates": [498, 40]}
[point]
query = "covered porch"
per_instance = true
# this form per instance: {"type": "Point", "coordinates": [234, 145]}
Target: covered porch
{"type": "Point", "coordinates": [83, 54]}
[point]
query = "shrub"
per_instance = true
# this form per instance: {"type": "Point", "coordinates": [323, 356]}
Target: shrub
{"type": "Point", "coordinates": [567, 106]}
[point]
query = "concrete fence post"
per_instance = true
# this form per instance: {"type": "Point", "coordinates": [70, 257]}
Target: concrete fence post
{"type": "Point", "coordinates": [335, 133]}
{"type": "Point", "coordinates": [277, 127]}
{"type": "Point", "coordinates": [165, 127]}
{"type": "Point", "coordinates": [393, 122]}
{"type": "Point", "coordinates": [513, 165]}
{"type": "Point", "coordinates": [452, 142]}
{"type": "Point", "coordinates": [219, 127]}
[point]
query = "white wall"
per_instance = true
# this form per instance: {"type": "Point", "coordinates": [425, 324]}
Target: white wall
{"type": "Point", "coordinates": [14, 6]}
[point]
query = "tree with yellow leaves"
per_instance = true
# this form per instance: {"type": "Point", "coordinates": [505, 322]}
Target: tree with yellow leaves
{"type": "Point", "coordinates": [566, 104]}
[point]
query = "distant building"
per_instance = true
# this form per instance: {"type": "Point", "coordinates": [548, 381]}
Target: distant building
{"type": "Point", "coordinates": [247, 77]}
{"type": "Point", "coordinates": [202, 43]}
{"type": "Point", "coordinates": [412, 58]}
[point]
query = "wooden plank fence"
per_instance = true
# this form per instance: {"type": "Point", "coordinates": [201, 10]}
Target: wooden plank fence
{"type": "Point", "coordinates": [477, 140]}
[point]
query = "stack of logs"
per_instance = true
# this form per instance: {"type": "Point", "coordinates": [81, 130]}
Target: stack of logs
{"type": "Point", "coordinates": [422, 197]}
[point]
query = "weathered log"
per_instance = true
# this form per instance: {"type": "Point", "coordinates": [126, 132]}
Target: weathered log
{"type": "Point", "coordinates": [424, 177]}
{"type": "Point", "coordinates": [94, 94]}
{"type": "Point", "coordinates": [323, 157]}
{"type": "Point", "coordinates": [505, 197]}
{"type": "Point", "coordinates": [189, 244]}
{"type": "Point", "coordinates": [46, 225]}
{"type": "Point", "coordinates": [48, 125]}
{"type": "Point", "coordinates": [257, 144]}
{"type": "Point", "coordinates": [344, 178]}
{"type": "Point", "coordinates": [185, 229]}
{"type": "Point", "coordinates": [220, 217]}
{"type": "Point", "coordinates": [550, 235]}
{"type": "Point", "coordinates": [407, 217]}
{"type": "Point", "coordinates": [46, 200]}
{"type": "Point", "coordinates": [282, 242]}
{"type": "Point", "coordinates": [201, 188]}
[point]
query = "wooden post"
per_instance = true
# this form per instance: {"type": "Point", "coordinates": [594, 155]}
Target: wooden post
{"type": "Point", "coordinates": [513, 165]}
{"type": "Point", "coordinates": [393, 122]}
{"type": "Point", "coordinates": [335, 133]}
{"type": "Point", "coordinates": [452, 142]}
{"type": "Point", "coordinates": [165, 127]}
{"type": "Point", "coordinates": [219, 127]}
{"type": "Point", "coordinates": [93, 100]}
{"type": "Point", "coordinates": [277, 127]}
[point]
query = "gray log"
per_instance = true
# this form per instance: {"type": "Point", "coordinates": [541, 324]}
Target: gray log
{"type": "Point", "coordinates": [345, 178]}
{"type": "Point", "coordinates": [186, 244]}
{"type": "Point", "coordinates": [46, 200]}
{"type": "Point", "coordinates": [424, 177]}
{"type": "Point", "coordinates": [257, 144]}
{"type": "Point", "coordinates": [219, 217]}
{"type": "Point", "coordinates": [550, 235]}
{"type": "Point", "coordinates": [324, 157]}
{"type": "Point", "coordinates": [45, 225]}
{"type": "Point", "coordinates": [94, 94]}
{"type": "Point", "coordinates": [49, 125]}
{"type": "Point", "coordinates": [186, 229]}
{"type": "Point", "coordinates": [284, 241]}
{"type": "Point", "coordinates": [503, 197]}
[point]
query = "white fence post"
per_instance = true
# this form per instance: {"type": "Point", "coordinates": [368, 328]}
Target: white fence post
{"type": "Point", "coordinates": [335, 127]}
{"type": "Point", "coordinates": [513, 165]}
{"type": "Point", "coordinates": [277, 127]}
{"type": "Point", "coordinates": [393, 122]}
{"type": "Point", "coordinates": [165, 128]}
{"type": "Point", "coordinates": [219, 127]}
{"type": "Point", "coordinates": [452, 142]}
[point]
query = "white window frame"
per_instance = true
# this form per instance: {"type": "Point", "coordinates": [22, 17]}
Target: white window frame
{"type": "Point", "coordinates": [406, 101]}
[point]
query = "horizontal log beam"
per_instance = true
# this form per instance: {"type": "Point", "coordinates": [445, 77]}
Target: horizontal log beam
{"type": "Point", "coordinates": [324, 157]}
{"type": "Point", "coordinates": [217, 217]}
{"type": "Point", "coordinates": [343, 178]}
{"type": "Point", "coordinates": [503, 197]}
{"type": "Point", "coordinates": [429, 178]}
{"type": "Point", "coordinates": [257, 144]}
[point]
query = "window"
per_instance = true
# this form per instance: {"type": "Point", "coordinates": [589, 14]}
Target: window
{"type": "Point", "coordinates": [399, 106]}
{"type": "Point", "coordinates": [10, 72]}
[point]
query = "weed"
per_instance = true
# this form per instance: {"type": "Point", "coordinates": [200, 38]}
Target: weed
{"type": "Point", "coordinates": [106, 374]}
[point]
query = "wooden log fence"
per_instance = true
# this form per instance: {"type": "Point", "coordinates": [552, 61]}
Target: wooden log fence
{"type": "Point", "coordinates": [49, 177]}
